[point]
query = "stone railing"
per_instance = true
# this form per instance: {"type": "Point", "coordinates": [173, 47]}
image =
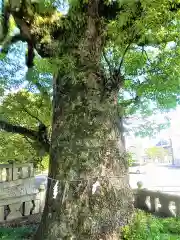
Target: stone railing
{"type": "Point", "coordinates": [18, 194]}
{"type": "Point", "coordinates": [10, 172]}
{"type": "Point", "coordinates": [158, 203]}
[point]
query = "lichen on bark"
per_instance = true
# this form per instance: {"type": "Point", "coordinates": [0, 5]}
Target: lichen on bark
{"type": "Point", "coordinates": [86, 147]}
{"type": "Point", "coordinates": [86, 152]}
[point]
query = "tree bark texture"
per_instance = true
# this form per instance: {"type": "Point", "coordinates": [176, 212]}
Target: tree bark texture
{"type": "Point", "coordinates": [86, 152]}
{"type": "Point", "coordinates": [87, 156]}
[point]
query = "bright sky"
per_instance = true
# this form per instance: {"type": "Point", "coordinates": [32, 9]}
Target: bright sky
{"type": "Point", "coordinates": [172, 132]}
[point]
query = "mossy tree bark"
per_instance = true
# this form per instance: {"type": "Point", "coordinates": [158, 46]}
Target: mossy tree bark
{"type": "Point", "coordinates": [87, 150]}
{"type": "Point", "coordinates": [86, 145]}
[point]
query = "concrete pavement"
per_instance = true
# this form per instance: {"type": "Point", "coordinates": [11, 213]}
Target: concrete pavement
{"type": "Point", "coordinates": [163, 178]}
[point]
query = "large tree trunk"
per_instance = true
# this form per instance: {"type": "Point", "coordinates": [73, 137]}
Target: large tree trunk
{"type": "Point", "coordinates": [86, 149]}
{"type": "Point", "coordinates": [87, 156]}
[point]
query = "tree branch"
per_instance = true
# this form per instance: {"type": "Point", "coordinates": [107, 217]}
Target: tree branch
{"type": "Point", "coordinates": [108, 63]}
{"type": "Point", "coordinates": [123, 56]}
{"type": "Point", "coordinates": [42, 89]}
{"type": "Point", "coordinates": [117, 79]}
{"type": "Point", "coordinates": [32, 72]}
{"type": "Point", "coordinates": [130, 101]}
{"type": "Point", "coordinates": [8, 127]}
{"type": "Point", "coordinates": [27, 139]}
{"type": "Point", "coordinates": [30, 114]}
{"type": "Point", "coordinates": [125, 51]}
{"type": "Point", "coordinates": [39, 135]}
{"type": "Point", "coordinates": [5, 19]}
{"type": "Point", "coordinates": [174, 7]}
{"type": "Point", "coordinates": [12, 40]}
{"type": "Point", "coordinates": [144, 51]}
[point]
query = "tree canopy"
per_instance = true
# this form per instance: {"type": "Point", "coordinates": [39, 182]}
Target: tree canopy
{"type": "Point", "coordinates": [146, 59]}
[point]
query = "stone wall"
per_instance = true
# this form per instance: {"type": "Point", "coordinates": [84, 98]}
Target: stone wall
{"type": "Point", "coordinates": [18, 195]}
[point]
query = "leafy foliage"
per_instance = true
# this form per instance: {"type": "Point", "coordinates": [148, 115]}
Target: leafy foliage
{"type": "Point", "coordinates": [16, 233]}
{"type": "Point", "coordinates": [29, 109]}
{"type": "Point", "coordinates": [156, 152]}
{"type": "Point", "coordinates": [15, 147]}
{"type": "Point", "coordinates": [130, 159]}
{"type": "Point", "coordinates": [146, 226]}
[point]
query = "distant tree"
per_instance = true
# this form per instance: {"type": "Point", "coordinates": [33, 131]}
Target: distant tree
{"type": "Point", "coordinates": [156, 153]}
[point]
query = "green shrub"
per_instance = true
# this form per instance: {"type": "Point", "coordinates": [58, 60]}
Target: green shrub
{"type": "Point", "coordinates": [147, 227]}
{"type": "Point", "coordinates": [130, 159]}
{"type": "Point", "coordinates": [143, 227]}
{"type": "Point", "coordinates": [16, 233]}
{"type": "Point", "coordinates": [171, 225]}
